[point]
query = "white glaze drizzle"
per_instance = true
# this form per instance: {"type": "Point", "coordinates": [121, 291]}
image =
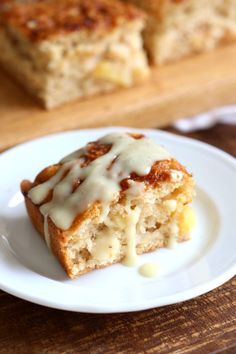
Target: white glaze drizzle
{"type": "Point", "coordinates": [107, 246]}
{"type": "Point", "coordinates": [100, 181]}
{"type": "Point", "coordinates": [130, 236]}
{"type": "Point", "coordinates": [46, 232]}
{"type": "Point", "coordinates": [149, 270]}
{"type": "Point", "coordinates": [173, 239]}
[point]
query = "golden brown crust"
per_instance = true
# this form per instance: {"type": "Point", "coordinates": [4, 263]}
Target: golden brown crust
{"type": "Point", "coordinates": [39, 20]}
{"type": "Point", "coordinates": [58, 237]}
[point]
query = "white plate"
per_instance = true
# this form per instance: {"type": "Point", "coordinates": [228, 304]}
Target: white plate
{"type": "Point", "coordinates": [29, 271]}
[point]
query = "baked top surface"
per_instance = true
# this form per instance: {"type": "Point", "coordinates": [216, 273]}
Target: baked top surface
{"type": "Point", "coordinates": [163, 170]}
{"type": "Point", "coordinates": [42, 19]}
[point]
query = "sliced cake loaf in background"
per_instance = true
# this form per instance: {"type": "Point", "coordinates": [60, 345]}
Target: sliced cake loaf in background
{"type": "Point", "coordinates": [179, 28]}
{"type": "Point", "coordinates": [62, 50]}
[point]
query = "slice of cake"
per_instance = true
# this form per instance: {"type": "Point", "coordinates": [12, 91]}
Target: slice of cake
{"type": "Point", "coordinates": [64, 49]}
{"type": "Point", "coordinates": [117, 197]}
{"type": "Point", "coordinates": [178, 28]}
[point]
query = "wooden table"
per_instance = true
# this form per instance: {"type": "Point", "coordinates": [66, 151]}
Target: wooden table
{"type": "Point", "coordinates": [206, 324]}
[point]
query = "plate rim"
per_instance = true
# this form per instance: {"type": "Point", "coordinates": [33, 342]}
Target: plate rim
{"type": "Point", "coordinates": [164, 300]}
{"type": "Point", "coordinates": [176, 298]}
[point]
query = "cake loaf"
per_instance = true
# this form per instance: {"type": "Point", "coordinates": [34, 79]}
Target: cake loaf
{"type": "Point", "coordinates": [179, 28]}
{"type": "Point", "coordinates": [60, 50]}
{"type": "Point", "coordinates": [117, 197]}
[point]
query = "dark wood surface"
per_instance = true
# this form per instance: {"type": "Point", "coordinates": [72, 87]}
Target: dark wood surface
{"type": "Point", "coordinates": [206, 324]}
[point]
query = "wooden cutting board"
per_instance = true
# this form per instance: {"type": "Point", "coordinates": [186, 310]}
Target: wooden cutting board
{"type": "Point", "coordinates": [173, 91]}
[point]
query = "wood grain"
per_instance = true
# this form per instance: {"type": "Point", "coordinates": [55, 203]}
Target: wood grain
{"type": "Point", "coordinates": [203, 325]}
{"type": "Point", "coordinates": [181, 89]}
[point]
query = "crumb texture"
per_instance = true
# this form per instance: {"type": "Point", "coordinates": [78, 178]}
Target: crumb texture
{"type": "Point", "coordinates": [161, 222]}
